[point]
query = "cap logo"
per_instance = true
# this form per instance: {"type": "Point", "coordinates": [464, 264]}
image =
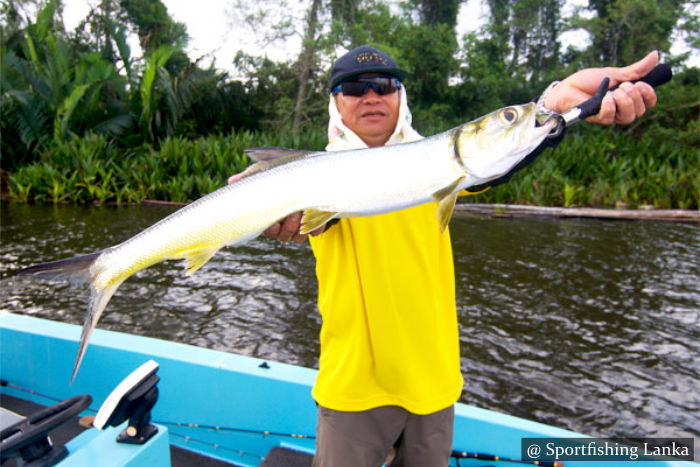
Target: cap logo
{"type": "Point", "coordinates": [370, 57]}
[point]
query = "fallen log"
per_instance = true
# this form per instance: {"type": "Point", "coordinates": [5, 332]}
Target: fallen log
{"type": "Point", "coordinates": [518, 210]}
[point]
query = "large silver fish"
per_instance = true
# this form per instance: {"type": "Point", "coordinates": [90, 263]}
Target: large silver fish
{"type": "Point", "coordinates": [323, 185]}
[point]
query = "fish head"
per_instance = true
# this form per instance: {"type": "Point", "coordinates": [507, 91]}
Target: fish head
{"type": "Point", "coordinates": [493, 145]}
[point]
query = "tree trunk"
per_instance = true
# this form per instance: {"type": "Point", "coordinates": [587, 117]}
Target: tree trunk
{"type": "Point", "coordinates": [306, 62]}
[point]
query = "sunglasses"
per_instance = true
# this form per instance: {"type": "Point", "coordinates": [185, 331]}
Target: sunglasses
{"type": "Point", "coordinates": [357, 87]}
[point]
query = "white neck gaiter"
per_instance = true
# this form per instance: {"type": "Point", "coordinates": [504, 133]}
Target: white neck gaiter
{"type": "Point", "coordinates": [340, 137]}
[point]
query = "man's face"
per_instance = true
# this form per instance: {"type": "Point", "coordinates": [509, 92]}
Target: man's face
{"type": "Point", "coordinates": [371, 116]}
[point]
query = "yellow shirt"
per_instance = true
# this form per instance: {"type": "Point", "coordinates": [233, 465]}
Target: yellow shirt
{"type": "Point", "coordinates": [386, 296]}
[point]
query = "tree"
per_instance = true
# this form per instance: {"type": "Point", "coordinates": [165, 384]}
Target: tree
{"type": "Point", "coordinates": [306, 63]}
{"type": "Point", "coordinates": [344, 11]}
{"type": "Point", "coordinates": [528, 31]}
{"type": "Point", "coordinates": [269, 86]}
{"type": "Point", "coordinates": [510, 59]}
{"type": "Point", "coordinates": [156, 29]}
{"type": "Point", "coordinates": [49, 92]}
{"type": "Point", "coordinates": [435, 12]}
{"type": "Point", "coordinates": [221, 104]}
{"type": "Point", "coordinates": [625, 30]}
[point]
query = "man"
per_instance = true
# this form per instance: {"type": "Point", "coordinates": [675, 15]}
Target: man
{"type": "Point", "coordinates": [389, 371]}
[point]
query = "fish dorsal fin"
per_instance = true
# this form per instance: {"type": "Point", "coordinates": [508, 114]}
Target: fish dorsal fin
{"type": "Point", "coordinates": [271, 153]}
{"type": "Point", "coordinates": [270, 157]}
{"type": "Point", "coordinates": [446, 199]}
{"type": "Point", "coordinates": [257, 167]}
{"type": "Point", "coordinates": [313, 219]}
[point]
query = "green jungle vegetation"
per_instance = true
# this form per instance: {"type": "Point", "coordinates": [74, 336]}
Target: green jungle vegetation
{"type": "Point", "coordinates": [84, 120]}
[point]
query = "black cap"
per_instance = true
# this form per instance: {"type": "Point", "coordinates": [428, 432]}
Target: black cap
{"type": "Point", "coordinates": [364, 59]}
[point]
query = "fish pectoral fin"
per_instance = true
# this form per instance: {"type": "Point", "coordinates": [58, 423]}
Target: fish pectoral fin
{"type": "Point", "coordinates": [445, 209]}
{"type": "Point", "coordinates": [443, 193]}
{"type": "Point", "coordinates": [197, 257]}
{"type": "Point", "coordinates": [313, 219]}
{"type": "Point", "coordinates": [446, 199]}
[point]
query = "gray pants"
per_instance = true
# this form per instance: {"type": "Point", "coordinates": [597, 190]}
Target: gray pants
{"type": "Point", "coordinates": [386, 434]}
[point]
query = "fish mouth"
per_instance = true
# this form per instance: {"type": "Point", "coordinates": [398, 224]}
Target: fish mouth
{"type": "Point", "coordinates": [553, 122]}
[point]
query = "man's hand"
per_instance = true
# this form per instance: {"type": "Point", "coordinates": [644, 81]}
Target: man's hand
{"type": "Point", "coordinates": [623, 105]}
{"type": "Point", "coordinates": [286, 229]}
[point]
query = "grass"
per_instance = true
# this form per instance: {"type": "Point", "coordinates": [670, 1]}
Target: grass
{"type": "Point", "coordinates": [94, 170]}
{"type": "Point", "coordinates": [606, 168]}
{"type": "Point", "coordinates": [600, 167]}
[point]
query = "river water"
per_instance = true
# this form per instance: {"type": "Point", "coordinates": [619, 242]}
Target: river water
{"type": "Point", "coordinates": [588, 325]}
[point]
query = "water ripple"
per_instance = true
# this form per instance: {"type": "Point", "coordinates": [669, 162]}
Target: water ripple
{"type": "Point", "coordinates": [587, 325]}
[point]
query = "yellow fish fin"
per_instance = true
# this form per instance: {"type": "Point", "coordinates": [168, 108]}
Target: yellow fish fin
{"type": "Point", "coordinates": [197, 257]}
{"type": "Point", "coordinates": [313, 219]}
{"type": "Point", "coordinates": [447, 191]}
{"type": "Point", "coordinates": [445, 209]}
{"type": "Point", "coordinates": [471, 193]}
{"type": "Point", "coordinates": [446, 200]}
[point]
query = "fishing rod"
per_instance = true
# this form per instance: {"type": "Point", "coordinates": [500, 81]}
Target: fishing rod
{"type": "Point", "coordinates": [491, 457]}
{"type": "Point", "coordinates": [660, 74]}
{"type": "Point", "coordinates": [265, 433]}
{"type": "Point", "coordinates": [455, 454]}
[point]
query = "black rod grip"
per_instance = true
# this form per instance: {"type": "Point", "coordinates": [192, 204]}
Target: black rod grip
{"type": "Point", "coordinates": [661, 74]}
{"type": "Point", "coordinates": [592, 105]}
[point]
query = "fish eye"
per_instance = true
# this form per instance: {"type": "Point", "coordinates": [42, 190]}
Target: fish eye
{"type": "Point", "coordinates": [508, 116]}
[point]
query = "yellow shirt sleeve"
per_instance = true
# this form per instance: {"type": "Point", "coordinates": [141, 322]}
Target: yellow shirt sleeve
{"type": "Point", "coordinates": [386, 295]}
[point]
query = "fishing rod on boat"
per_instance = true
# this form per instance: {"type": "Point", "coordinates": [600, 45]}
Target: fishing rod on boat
{"type": "Point", "coordinates": [490, 457]}
{"type": "Point", "coordinates": [235, 430]}
{"type": "Point", "coordinates": [455, 454]}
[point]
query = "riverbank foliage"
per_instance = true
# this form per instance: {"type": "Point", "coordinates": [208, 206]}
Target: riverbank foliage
{"type": "Point", "coordinates": [85, 120]}
{"type": "Point", "coordinates": [593, 168]}
{"type": "Point", "coordinates": [92, 169]}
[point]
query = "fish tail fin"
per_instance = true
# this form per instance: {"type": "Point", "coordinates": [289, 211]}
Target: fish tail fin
{"type": "Point", "coordinates": [98, 301]}
{"type": "Point", "coordinates": [80, 269]}
{"type": "Point", "coordinates": [76, 269]}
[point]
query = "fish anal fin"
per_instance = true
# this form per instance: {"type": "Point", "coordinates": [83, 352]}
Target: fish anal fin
{"type": "Point", "coordinates": [446, 199]}
{"type": "Point", "coordinates": [313, 219]}
{"type": "Point", "coordinates": [196, 258]}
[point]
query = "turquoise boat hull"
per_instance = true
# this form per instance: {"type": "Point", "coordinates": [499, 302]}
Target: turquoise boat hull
{"type": "Point", "coordinates": [224, 406]}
